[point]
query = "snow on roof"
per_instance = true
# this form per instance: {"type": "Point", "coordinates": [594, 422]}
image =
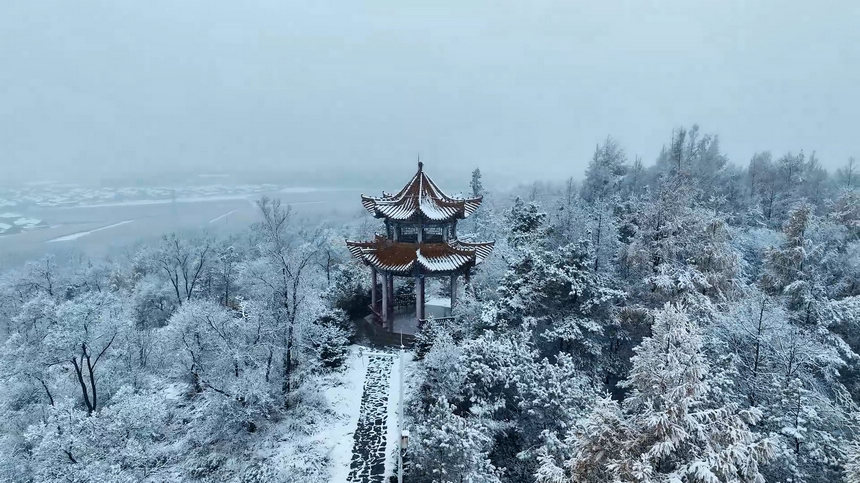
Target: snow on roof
{"type": "Point", "coordinates": [420, 196]}
{"type": "Point", "coordinates": [400, 257]}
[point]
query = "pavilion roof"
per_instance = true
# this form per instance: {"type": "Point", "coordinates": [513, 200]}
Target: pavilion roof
{"type": "Point", "coordinates": [420, 196]}
{"type": "Point", "coordinates": [386, 255]}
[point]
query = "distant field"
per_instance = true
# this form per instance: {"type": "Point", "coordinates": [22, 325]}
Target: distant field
{"type": "Point", "coordinates": [100, 229]}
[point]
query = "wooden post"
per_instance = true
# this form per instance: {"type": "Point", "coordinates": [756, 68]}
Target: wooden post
{"type": "Point", "coordinates": [373, 295]}
{"type": "Point", "coordinates": [390, 293]}
{"type": "Point", "coordinates": [453, 289]}
{"type": "Point", "coordinates": [386, 314]}
{"type": "Point", "coordinates": [419, 297]}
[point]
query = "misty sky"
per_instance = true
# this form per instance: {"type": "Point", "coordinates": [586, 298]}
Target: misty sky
{"type": "Point", "coordinates": [522, 89]}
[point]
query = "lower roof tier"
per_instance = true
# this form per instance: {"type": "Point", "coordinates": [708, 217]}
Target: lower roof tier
{"type": "Point", "coordinates": [401, 257]}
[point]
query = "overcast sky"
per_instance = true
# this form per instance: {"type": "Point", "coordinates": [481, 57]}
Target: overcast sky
{"type": "Point", "coordinates": [522, 89]}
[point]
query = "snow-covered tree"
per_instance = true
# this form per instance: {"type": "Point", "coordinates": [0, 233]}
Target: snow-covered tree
{"type": "Point", "coordinates": [675, 425]}
{"type": "Point", "coordinates": [451, 448]}
{"type": "Point", "coordinates": [852, 464]}
{"type": "Point", "coordinates": [605, 171]}
{"type": "Point", "coordinates": [526, 224]}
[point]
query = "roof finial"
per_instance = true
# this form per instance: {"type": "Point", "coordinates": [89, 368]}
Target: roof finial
{"type": "Point", "coordinates": [420, 164]}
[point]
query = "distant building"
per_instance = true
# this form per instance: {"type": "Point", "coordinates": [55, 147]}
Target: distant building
{"type": "Point", "coordinates": [420, 241]}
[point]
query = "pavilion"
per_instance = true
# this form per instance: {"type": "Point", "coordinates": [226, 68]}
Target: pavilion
{"type": "Point", "coordinates": [420, 241]}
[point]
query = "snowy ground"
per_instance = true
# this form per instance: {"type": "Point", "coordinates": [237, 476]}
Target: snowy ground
{"type": "Point", "coordinates": [406, 323]}
{"type": "Point", "coordinates": [367, 401]}
{"type": "Point", "coordinates": [345, 398]}
{"type": "Point", "coordinates": [11, 223]}
{"type": "Point", "coordinates": [370, 441]}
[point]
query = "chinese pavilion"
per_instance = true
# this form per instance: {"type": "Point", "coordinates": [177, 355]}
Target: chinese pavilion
{"type": "Point", "coordinates": [420, 241]}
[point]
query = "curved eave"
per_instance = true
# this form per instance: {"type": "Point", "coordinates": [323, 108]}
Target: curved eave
{"type": "Point", "coordinates": [407, 208]}
{"type": "Point", "coordinates": [448, 263]}
{"type": "Point", "coordinates": [482, 250]}
{"type": "Point", "coordinates": [369, 204]}
{"type": "Point", "coordinates": [373, 260]}
{"type": "Point", "coordinates": [427, 258]}
{"type": "Point", "coordinates": [470, 205]}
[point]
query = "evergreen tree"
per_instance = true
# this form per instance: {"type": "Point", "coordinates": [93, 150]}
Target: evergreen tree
{"type": "Point", "coordinates": [605, 171]}
{"type": "Point", "coordinates": [452, 448]}
{"type": "Point", "coordinates": [526, 224]}
{"type": "Point", "coordinates": [675, 425]}
{"type": "Point", "coordinates": [852, 464]}
{"type": "Point", "coordinates": [475, 184]}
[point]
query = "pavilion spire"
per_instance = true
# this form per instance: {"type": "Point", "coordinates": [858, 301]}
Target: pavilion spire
{"type": "Point", "coordinates": [420, 199]}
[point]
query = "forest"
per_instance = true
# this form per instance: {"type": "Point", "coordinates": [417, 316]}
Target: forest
{"type": "Point", "coordinates": [686, 320]}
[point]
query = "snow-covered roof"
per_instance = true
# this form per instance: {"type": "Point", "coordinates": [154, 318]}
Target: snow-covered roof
{"type": "Point", "coordinates": [390, 256]}
{"type": "Point", "coordinates": [420, 196]}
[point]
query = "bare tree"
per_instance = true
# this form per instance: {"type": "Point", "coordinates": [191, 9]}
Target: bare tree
{"type": "Point", "coordinates": [85, 365]}
{"type": "Point", "coordinates": [292, 257]}
{"type": "Point", "coordinates": [846, 175]}
{"type": "Point", "coordinates": [183, 263]}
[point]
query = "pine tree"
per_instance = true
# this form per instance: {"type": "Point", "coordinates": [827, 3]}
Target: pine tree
{"type": "Point", "coordinates": [527, 224]}
{"type": "Point", "coordinates": [681, 426]}
{"type": "Point", "coordinates": [451, 448]}
{"type": "Point", "coordinates": [605, 172]}
{"type": "Point", "coordinates": [785, 265]}
{"type": "Point", "coordinates": [852, 464]}
{"type": "Point", "coordinates": [475, 184]}
{"type": "Point", "coordinates": [599, 446]}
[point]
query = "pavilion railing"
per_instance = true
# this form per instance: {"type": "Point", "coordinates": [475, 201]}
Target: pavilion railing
{"type": "Point", "coordinates": [447, 317]}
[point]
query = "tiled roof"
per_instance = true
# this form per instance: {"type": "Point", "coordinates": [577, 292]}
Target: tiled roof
{"type": "Point", "coordinates": [384, 254]}
{"type": "Point", "coordinates": [420, 196]}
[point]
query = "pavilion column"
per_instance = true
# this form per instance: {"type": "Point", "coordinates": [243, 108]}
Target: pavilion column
{"type": "Point", "coordinates": [373, 295]}
{"type": "Point", "coordinates": [390, 293]}
{"type": "Point", "coordinates": [453, 289]}
{"type": "Point", "coordinates": [467, 279]}
{"type": "Point", "coordinates": [419, 297]}
{"type": "Point", "coordinates": [386, 315]}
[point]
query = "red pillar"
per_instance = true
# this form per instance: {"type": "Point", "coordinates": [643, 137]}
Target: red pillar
{"type": "Point", "coordinates": [390, 293]}
{"type": "Point", "coordinates": [386, 314]}
{"type": "Point", "coordinates": [453, 289]}
{"type": "Point", "coordinates": [419, 297]}
{"type": "Point", "coordinates": [373, 295]}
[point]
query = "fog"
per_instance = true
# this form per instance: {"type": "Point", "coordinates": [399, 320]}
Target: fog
{"type": "Point", "coordinates": [630, 250]}
{"type": "Point", "coordinates": [96, 90]}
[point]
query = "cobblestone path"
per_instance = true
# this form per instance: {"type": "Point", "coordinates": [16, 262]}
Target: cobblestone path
{"type": "Point", "coordinates": [368, 447]}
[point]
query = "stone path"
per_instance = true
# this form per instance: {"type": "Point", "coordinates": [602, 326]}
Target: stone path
{"type": "Point", "coordinates": [368, 448]}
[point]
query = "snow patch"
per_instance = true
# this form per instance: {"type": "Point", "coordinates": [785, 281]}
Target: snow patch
{"type": "Point", "coordinates": [75, 236]}
{"type": "Point", "coordinates": [221, 217]}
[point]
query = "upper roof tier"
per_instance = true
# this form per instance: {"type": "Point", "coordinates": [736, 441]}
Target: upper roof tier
{"type": "Point", "coordinates": [420, 197]}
